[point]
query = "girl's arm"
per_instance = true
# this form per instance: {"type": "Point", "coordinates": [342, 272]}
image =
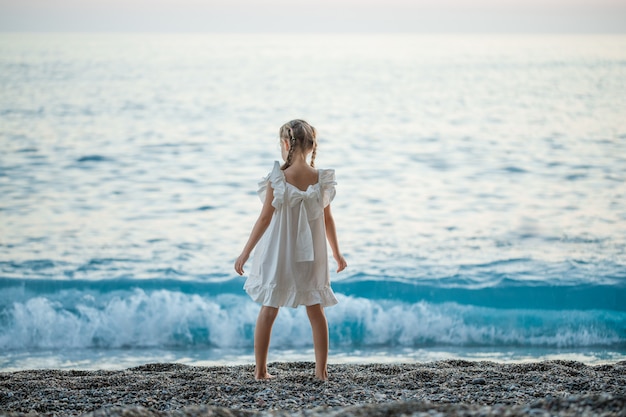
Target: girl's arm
{"type": "Point", "coordinates": [257, 231]}
{"type": "Point", "coordinates": [331, 235]}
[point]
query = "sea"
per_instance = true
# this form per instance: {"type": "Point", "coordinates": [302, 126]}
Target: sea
{"type": "Point", "coordinates": [481, 197]}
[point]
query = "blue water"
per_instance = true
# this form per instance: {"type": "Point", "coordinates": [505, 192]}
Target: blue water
{"type": "Point", "coordinates": [480, 203]}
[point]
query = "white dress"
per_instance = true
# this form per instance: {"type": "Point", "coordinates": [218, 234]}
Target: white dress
{"type": "Point", "coordinates": [290, 264]}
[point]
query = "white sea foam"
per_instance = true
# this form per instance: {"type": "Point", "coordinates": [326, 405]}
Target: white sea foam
{"type": "Point", "coordinates": [163, 318]}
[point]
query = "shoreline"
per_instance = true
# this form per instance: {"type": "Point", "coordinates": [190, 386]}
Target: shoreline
{"type": "Point", "coordinates": [450, 387]}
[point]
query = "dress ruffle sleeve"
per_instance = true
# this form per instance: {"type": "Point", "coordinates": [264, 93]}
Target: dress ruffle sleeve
{"type": "Point", "coordinates": [327, 185]}
{"type": "Point", "coordinates": [275, 179]}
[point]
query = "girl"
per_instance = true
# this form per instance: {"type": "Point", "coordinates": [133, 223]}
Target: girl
{"type": "Point", "coordinates": [290, 265]}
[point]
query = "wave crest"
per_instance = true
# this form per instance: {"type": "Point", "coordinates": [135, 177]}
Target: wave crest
{"type": "Point", "coordinates": [165, 318]}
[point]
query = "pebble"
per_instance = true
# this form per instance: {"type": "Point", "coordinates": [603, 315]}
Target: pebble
{"type": "Point", "coordinates": [444, 388]}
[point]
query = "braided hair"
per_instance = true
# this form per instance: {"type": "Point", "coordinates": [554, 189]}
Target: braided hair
{"type": "Point", "coordinates": [301, 136]}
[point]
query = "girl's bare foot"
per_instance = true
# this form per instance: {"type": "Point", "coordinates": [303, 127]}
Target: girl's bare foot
{"type": "Point", "coordinates": [264, 377]}
{"type": "Point", "coordinates": [321, 375]}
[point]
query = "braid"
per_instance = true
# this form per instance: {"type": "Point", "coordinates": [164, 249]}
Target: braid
{"type": "Point", "coordinates": [314, 143]}
{"type": "Point", "coordinates": [292, 146]}
{"type": "Point", "coordinates": [313, 154]}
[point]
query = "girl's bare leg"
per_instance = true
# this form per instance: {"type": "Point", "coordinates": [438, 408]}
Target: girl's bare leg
{"type": "Point", "coordinates": [319, 325]}
{"type": "Point", "coordinates": [262, 333]}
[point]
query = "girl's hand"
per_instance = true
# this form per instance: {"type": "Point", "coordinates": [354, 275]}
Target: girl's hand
{"type": "Point", "coordinates": [341, 262]}
{"type": "Point", "coordinates": [239, 263]}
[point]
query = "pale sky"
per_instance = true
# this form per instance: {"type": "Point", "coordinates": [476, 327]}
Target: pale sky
{"type": "Point", "coordinates": [605, 16]}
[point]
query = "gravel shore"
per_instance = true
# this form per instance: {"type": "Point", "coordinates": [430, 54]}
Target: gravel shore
{"type": "Point", "coordinates": [445, 388]}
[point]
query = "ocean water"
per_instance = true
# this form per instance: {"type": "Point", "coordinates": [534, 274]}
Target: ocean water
{"type": "Point", "coordinates": [480, 202]}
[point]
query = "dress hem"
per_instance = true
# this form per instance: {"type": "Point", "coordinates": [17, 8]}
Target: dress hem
{"type": "Point", "coordinates": [271, 297]}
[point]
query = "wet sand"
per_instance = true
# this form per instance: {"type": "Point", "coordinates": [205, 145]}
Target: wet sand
{"type": "Point", "coordinates": [453, 387]}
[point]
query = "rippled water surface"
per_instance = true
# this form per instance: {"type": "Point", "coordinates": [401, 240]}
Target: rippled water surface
{"type": "Point", "coordinates": [480, 202]}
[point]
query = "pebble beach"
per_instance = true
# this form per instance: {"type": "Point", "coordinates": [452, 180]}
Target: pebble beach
{"type": "Point", "coordinates": [443, 388]}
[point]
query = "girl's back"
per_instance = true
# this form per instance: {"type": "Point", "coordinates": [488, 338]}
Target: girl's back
{"type": "Point", "coordinates": [301, 176]}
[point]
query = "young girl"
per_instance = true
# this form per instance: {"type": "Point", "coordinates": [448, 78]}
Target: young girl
{"type": "Point", "coordinates": [290, 265]}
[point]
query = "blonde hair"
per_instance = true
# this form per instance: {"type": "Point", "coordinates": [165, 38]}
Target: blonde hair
{"type": "Point", "coordinates": [301, 136]}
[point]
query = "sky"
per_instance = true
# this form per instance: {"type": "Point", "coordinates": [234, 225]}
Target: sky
{"type": "Point", "coordinates": [603, 16]}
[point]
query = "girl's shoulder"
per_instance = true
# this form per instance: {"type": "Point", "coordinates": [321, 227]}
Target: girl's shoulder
{"type": "Point", "coordinates": [276, 175]}
{"type": "Point", "coordinates": [276, 180]}
{"type": "Point", "coordinates": [276, 172]}
{"type": "Point", "coordinates": [326, 176]}
{"type": "Point", "coordinates": [327, 183]}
